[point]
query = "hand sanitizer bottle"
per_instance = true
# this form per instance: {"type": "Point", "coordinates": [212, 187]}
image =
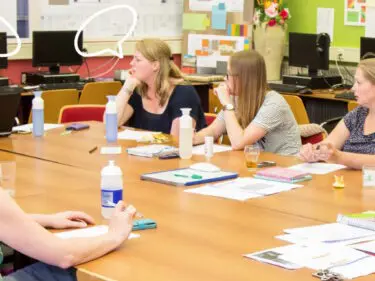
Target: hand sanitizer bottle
{"type": "Point", "coordinates": [186, 134]}
{"type": "Point", "coordinates": [111, 119]}
{"type": "Point", "coordinates": [111, 188]}
{"type": "Point", "coordinates": [38, 114]}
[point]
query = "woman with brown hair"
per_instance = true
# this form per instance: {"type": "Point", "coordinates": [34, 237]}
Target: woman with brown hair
{"type": "Point", "coordinates": [153, 95]}
{"type": "Point", "coordinates": [352, 142]}
{"type": "Point", "coordinates": [251, 113]}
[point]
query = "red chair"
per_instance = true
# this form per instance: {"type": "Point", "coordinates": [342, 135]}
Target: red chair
{"type": "Point", "coordinates": [83, 112]}
{"type": "Point", "coordinates": [210, 117]}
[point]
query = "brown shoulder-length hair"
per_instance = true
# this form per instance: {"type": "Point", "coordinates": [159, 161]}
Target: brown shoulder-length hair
{"type": "Point", "coordinates": [250, 84]}
{"type": "Point", "coordinates": [157, 50]}
{"type": "Point", "coordinates": [368, 69]}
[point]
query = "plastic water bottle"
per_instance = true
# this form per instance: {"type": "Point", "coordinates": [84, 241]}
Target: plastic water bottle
{"type": "Point", "coordinates": [111, 188]}
{"type": "Point", "coordinates": [111, 119]}
{"type": "Point", "coordinates": [186, 134]}
{"type": "Point", "coordinates": [38, 114]}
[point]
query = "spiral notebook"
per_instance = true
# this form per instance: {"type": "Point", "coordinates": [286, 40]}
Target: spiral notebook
{"type": "Point", "coordinates": [364, 220]}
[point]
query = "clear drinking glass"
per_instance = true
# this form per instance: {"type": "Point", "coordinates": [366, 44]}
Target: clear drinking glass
{"type": "Point", "coordinates": [368, 176]}
{"type": "Point", "coordinates": [251, 156]}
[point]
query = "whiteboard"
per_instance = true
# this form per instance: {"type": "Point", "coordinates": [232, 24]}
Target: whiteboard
{"type": "Point", "coordinates": [8, 10]}
{"type": "Point", "coordinates": [156, 18]}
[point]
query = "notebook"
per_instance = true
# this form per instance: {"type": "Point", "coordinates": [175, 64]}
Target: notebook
{"type": "Point", "coordinates": [364, 220]}
{"type": "Point", "coordinates": [282, 175]}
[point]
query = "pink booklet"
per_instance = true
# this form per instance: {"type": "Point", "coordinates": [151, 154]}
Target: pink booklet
{"type": "Point", "coordinates": [281, 173]}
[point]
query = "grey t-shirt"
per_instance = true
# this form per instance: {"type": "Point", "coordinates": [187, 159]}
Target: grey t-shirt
{"type": "Point", "coordinates": [275, 116]}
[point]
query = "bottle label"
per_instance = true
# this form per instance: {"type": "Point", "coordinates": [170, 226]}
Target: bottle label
{"type": "Point", "coordinates": [110, 197]}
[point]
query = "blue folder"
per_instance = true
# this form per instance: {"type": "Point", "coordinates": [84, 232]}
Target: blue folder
{"type": "Point", "coordinates": [187, 177]}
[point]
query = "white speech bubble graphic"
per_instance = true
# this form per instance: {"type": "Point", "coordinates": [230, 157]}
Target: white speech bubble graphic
{"type": "Point", "coordinates": [18, 48]}
{"type": "Point", "coordinates": [119, 43]}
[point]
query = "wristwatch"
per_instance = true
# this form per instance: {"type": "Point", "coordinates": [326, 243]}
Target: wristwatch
{"type": "Point", "coordinates": [228, 107]}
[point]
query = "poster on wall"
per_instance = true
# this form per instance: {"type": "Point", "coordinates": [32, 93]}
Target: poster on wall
{"type": "Point", "coordinates": [355, 12]}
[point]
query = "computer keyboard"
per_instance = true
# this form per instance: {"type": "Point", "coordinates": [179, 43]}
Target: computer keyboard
{"type": "Point", "coordinates": [60, 86]}
{"type": "Point", "coordinates": [286, 88]}
{"type": "Point", "coordinates": [11, 89]}
{"type": "Point", "coordinates": [348, 95]}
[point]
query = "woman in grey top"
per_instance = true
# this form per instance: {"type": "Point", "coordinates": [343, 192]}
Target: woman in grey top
{"type": "Point", "coordinates": [256, 115]}
{"type": "Point", "coordinates": [352, 142]}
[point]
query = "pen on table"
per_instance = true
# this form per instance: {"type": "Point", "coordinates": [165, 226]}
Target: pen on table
{"type": "Point", "coordinates": [137, 214]}
{"type": "Point", "coordinates": [194, 176]}
{"type": "Point", "coordinates": [93, 149]}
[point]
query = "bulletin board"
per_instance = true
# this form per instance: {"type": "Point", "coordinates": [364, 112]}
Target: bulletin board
{"type": "Point", "coordinates": [203, 21]}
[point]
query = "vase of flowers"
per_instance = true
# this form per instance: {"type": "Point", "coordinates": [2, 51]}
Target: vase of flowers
{"type": "Point", "coordinates": [270, 26]}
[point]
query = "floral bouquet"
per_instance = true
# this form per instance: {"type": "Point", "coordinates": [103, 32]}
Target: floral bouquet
{"type": "Point", "coordinates": [271, 13]}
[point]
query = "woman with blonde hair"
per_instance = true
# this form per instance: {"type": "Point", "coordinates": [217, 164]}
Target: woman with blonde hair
{"type": "Point", "coordinates": [251, 113]}
{"type": "Point", "coordinates": [153, 95]}
{"type": "Point", "coordinates": [352, 142]}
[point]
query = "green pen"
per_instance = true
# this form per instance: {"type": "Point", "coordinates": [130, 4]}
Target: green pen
{"type": "Point", "coordinates": [194, 176]}
{"type": "Point", "coordinates": [181, 176]}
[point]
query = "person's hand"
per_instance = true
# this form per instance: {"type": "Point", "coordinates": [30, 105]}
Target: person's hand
{"type": "Point", "coordinates": [69, 219]}
{"type": "Point", "coordinates": [130, 84]}
{"type": "Point", "coordinates": [222, 92]}
{"type": "Point", "coordinates": [121, 222]}
{"type": "Point", "coordinates": [327, 152]}
{"type": "Point", "coordinates": [308, 153]}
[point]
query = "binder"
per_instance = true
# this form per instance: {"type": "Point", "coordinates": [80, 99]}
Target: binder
{"type": "Point", "coordinates": [187, 177]}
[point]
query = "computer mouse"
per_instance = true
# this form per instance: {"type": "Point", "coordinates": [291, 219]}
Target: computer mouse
{"type": "Point", "coordinates": [306, 91]}
{"type": "Point", "coordinates": [205, 167]}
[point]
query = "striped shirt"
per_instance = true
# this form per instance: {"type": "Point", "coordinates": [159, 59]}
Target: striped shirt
{"type": "Point", "coordinates": [276, 118]}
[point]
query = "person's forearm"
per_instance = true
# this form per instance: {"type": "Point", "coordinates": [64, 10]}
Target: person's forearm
{"type": "Point", "coordinates": [81, 250]}
{"type": "Point", "coordinates": [43, 220]}
{"type": "Point", "coordinates": [122, 100]}
{"type": "Point", "coordinates": [354, 160]}
{"type": "Point", "coordinates": [234, 130]}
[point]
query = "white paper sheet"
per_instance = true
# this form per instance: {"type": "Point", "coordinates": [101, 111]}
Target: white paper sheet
{"type": "Point", "coordinates": [330, 232]}
{"type": "Point", "coordinates": [29, 127]}
{"type": "Point", "coordinates": [199, 149]}
{"type": "Point", "coordinates": [111, 150]}
{"type": "Point", "coordinates": [88, 232]}
{"type": "Point", "coordinates": [273, 256]}
{"type": "Point", "coordinates": [317, 168]}
{"type": "Point", "coordinates": [206, 5]}
{"type": "Point", "coordinates": [243, 188]}
{"type": "Point", "coordinates": [136, 135]}
{"type": "Point", "coordinates": [370, 22]}
{"type": "Point", "coordinates": [325, 21]}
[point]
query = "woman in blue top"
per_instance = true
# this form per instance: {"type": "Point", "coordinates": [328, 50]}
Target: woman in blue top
{"type": "Point", "coordinates": [153, 95]}
{"type": "Point", "coordinates": [352, 142]}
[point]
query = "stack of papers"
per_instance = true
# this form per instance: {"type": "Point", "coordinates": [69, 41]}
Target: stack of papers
{"type": "Point", "coordinates": [199, 149]}
{"type": "Point", "coordinates": [89, 232]}
{"type": "Point", "coordinates": [151, 150]}
{"type": "Point", "coordinates": [28, 128]}
{"type": "Point", "coordinates": [136, 135]}
{"type": "Point", "coordinates": [317, 168]}
{"type": "Point", "coordinates": [243, 188]}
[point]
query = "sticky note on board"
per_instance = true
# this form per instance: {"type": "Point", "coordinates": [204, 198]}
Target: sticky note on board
{"type": "Point", "coordinates": [219, 16]}
{"type": "Point", "coordinates": [193, 21]}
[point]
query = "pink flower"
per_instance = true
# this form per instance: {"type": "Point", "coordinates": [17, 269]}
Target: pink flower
{"type": "Point", "coordinates": [281, 21]}
{"type": "Point", "coordinates": [271, 11]}
{"type": "Point", "coordinates": [272, 22]}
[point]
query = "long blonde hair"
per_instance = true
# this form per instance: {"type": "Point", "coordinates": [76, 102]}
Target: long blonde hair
{"type": "Point", "coordinates": [157, 50]}
{"type": "Point", "coordinates": [250, 84]}
{"type": "Point", "coordinates": [368, 68]}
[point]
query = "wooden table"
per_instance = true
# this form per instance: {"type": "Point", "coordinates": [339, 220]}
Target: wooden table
{"type": "Point", "coordinates": [198, 237]}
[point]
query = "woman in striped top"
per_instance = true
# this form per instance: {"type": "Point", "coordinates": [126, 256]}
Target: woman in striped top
{"type": "Point", "coordinates": [251, 113]}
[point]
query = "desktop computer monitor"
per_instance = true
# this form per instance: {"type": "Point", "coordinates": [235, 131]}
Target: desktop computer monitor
{"type": "Point", "coordinates": [56, 48]}
{"type": "Point", "coordinates": [367, 47]}
{"type": "Point", "coordinates": [309, 50]}
{"type": "Point", "coordinates": [3, 50]}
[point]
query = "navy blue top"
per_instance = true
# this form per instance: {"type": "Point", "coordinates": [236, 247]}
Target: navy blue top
{"type": "Point", "coordinates": [358, 142]}
{"type": "Point", "coordinates": [182, 96]}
